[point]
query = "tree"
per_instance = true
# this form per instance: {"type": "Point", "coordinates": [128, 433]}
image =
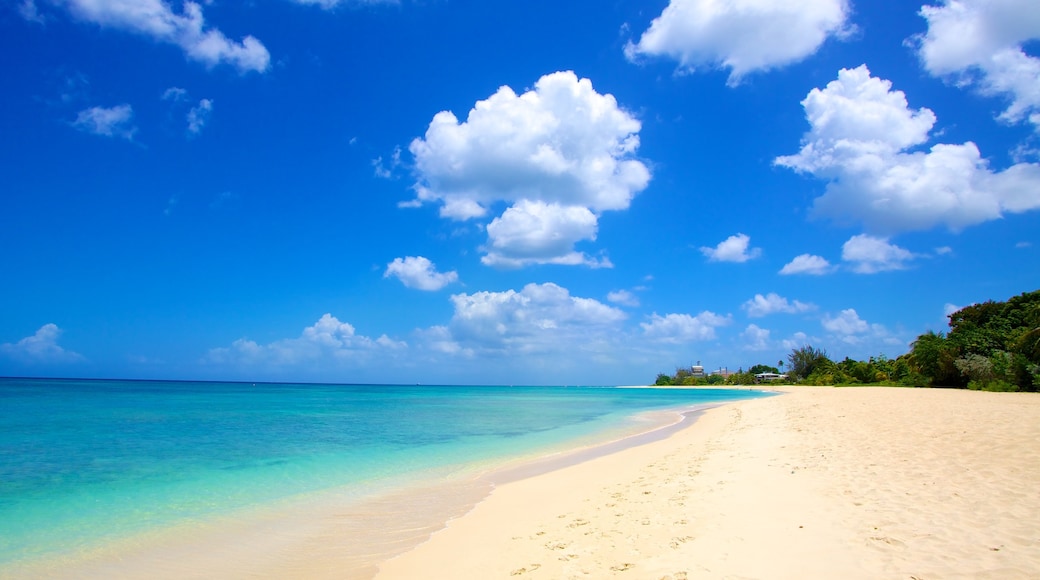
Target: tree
{"type": "Point", "coordinates": [805, 360]}
{"type": "Point", "coordinates": [933, 356]}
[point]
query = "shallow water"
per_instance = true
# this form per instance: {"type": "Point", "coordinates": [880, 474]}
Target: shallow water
{"type": "Point", "coordinates": [89, 464]}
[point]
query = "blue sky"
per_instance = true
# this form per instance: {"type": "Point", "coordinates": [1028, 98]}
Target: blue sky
{"type": "Point", "coordinates": [505, 192]}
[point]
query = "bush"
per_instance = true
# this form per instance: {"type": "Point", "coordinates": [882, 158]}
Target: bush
{"type": "Point", "coordinates": [996, 385]}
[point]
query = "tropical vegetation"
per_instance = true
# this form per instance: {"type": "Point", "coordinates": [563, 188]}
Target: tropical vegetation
{"type": "Point", "coordinates": [993, 346]}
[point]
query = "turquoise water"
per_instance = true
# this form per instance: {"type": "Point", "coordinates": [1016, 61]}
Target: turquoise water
{"type": "Point", "coordinates": [85, 462]}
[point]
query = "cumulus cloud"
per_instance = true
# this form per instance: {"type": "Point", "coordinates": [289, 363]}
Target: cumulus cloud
{"type": "Point", "coordinates": [328, 340]}
{"type": "Point", "coordinates": [198, 116]}
{"type": "Point", "coordinates": [539, 318]}
{"type": "Point", "coordinates": [107, 121]}
{"type": "Point", "coordinates": [860, 142]}
{"type": "Point", "coordinates": [849, 328]}
{"type": "Point", "coordinates": [807, 264]}
{"type": "Point", "coordinates": [534, 232]}
{"type": "Point", "coordinates": [559, 155]}
{"type": "Point", "coordinates": [157, 20]}
{"type": "Point", "coordinates": [743, 36]}
{"type": "Point", "coordinates": [980, 43]}
{"type": "Point", "coordinates": [419, 273]}
{"type": "Point", "coordinates": [755, 338]}
{"type": "Point", "coordinates": [868, 255]}
{"type": "Point", "coordinates": [732, 249]}
{"type": "Point", "coordinates": [40, 348]}
{"type": "Point", "coordinates": [847, 322]}
{"type": "Point", "coordinates": [680, 328]}
{"type": "Point", "coordinates": [623, 297]}
{"type": "Point", "coordinates": [772, 303]}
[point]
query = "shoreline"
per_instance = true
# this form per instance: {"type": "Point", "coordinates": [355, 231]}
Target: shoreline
{"type": "Point", "coordinates": [871, 482]}
{"type": "Point", "coordinates": [330, 534]}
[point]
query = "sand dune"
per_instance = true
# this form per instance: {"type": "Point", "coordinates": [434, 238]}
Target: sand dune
{"type": "Point", "coordinates": [820, 482]}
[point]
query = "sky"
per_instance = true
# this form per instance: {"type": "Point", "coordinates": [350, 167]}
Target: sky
{"type": "Point", "coordinates": [470, 192]}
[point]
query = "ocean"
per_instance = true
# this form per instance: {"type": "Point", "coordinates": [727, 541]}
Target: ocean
{"type": "Point", "coordinates": [86, 465]}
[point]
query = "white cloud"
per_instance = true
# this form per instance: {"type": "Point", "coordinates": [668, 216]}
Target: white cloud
{"type": "Point", "coordinates": [330, 4]}
{"type": "Point", "coordinates": [732, 249]}
{"type": "Point", "coordinates": [558, 154]}
{"type": "Point", "coordinates": [755, 338]}
{"type": "Point", "coordinates": [30, 12]}
{"type": "Point", "coordinates": [109, 122]}
{"type": "Point", "coordinates": [327, 340]}
{"type": "Point", "coordinates": [1023, 245]}
{"type": "Point", "coordinates": [849, 328]}
{"type": "Point", "coordinates": [679, 328]}
{"type": "Point", "coordinates": [859, 142]}
{"type": "Point", "coordinates": [797, 340]}
{"type": "Point", "coordinates": [534, 232]}
{"type": "Point", "coordinates": [419, 273]}
{"type": "Point", "coordinates": [950, 308]}
{"type": "Point", "coordinates": [40, 348]}
{"type": "Point", "coordinates": [980, 43]}
{"type": "Point", "coordinates": [175, 94]}
{"type": "Point", "coordinates": [771, 303]}
{"type": "Point", "coordinates": [539, 318]}
{"type": "Point", "coordinates": [384, 171]}
{"type": "Point", "coordinates": [156, 19]}
{"type": "Point", "coordinates": [742, 35]}
{"type": "Point", "coordinates": [623, 297]}
{"type": "Point", "coordinates": [199, 115]}
{"type": "Point", "coordinates": [848, 322]}
{"type": "Point", "coordinates": [807, 264]}
{"type": "Point", "coordinates": [869, 255]}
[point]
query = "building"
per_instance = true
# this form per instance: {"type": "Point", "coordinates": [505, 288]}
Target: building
{"type": "Point", "coordinates": [769, 377]}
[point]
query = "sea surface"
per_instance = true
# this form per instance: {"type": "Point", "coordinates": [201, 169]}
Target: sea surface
{"type": "Point", "coordinates": [89, 462]}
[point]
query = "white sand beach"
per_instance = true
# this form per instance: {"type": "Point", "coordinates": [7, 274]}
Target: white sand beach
{"type": "Point", "coordinates": [821, 482]}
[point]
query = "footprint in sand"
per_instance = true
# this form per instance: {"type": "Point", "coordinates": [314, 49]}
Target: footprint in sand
{"type": "Point", "coordinates": [520, 571]}
{"type": "Point", "coordinates": [677, 541]}
{"type": "Point", "coordinates": [887, 540]}
{"type": "Point", "coordinates": [622, 567]}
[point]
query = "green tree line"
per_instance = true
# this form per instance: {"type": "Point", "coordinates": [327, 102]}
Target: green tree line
{"type": "Point", "coordinates": [993, 346]}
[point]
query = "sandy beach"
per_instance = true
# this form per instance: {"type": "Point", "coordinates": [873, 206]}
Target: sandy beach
{"type": "Point", "coordinates": [821, 482]}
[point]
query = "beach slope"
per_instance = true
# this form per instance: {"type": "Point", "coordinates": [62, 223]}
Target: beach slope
{"type": "Point", "coordinates": [820, 482]}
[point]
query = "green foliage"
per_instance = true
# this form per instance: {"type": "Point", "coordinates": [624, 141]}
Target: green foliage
{"type": "Point", "coordinates": [746, 378]}
{"type": "Point", "coordinates": [663, 380]}
{"type": "Point", "coordinates": [933, 356]}
{"type": "Point", "coordinates": [977, 368]}
{"type": "Point", "coordinates": [804, 361]}
{"type": "Point", "coordinates": [993, 346]}
{"type": "Point", "coordinates": [715, 380]}
{"type": "Point", "coordinates": [994, 385]}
